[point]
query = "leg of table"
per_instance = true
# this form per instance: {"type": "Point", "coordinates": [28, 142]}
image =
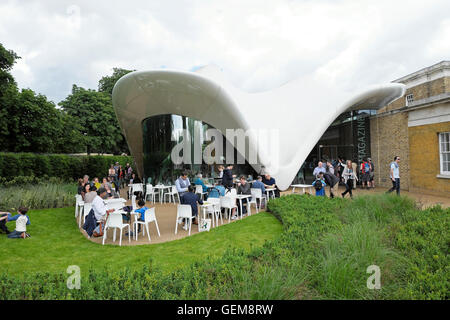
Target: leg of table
{"type": "Point", "coordinates": [240, 204]}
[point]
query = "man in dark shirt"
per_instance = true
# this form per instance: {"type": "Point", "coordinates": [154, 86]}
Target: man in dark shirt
{"type": "Point", "coordinates": [243, 188]}
{"type": "Point", "coordinates": [191, 198]}
{"type": "Point", "coordinates": [269, 182]}
{"type": "Point", "coordinates": [227, 179]}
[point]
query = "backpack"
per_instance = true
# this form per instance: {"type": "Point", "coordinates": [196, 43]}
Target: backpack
{"type": "Point", "coordinates": [318, 185]}
{"type": "Point", "coordinates": [366, 167]}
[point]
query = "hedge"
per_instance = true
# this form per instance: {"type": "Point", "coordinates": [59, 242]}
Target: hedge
{"type": "Point", "coordinates": [56, 165]}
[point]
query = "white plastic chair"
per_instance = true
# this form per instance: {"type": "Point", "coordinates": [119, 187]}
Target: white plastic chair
{"type": "Point", "coordinates": [133, 202]}
{"type": "Point", "coordinates": [149, 216]}
{"type": "Point", "coordinates": [137, 187]}
{"type": "Point", "coordinates": [215, 210]}
{"type": "Point", "coordinates": [228, 202]}
{"type": "Point", "coordinates": [199, 190]}
{"type": "Point", "coordinates": [79, 203]}
{"type": "Point", "coordinates": [149, 191]}
{"type": "Point", "coordinates": [257, 194]}
{"type": "Point", "coordinates": [171, 194]}
{"type": "Point", "coordinates": [184, 211]}
{"type": "Point", "coordinates": [115, 221]}
{"type": "Point", "coordinates": [86, 208]}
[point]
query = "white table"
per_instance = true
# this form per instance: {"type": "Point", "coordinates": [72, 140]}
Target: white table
{"type": "Point", "coordinates": [303, 186]}
{"type": "Point", "coordinates": [268, 191]}
{"type": "Point", "coordinates": [161, 188]}
{"type": "Point", "coordinates": [240, 197]}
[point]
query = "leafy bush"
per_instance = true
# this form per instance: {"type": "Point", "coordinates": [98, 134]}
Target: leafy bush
{"type": "Point", "coordinates": [323, 253]}
{"type": "Point", "coordinates": [62, 166]}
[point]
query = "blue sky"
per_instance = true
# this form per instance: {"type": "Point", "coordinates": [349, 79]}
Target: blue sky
{"type": "Point", "coordinates": [258, 44]}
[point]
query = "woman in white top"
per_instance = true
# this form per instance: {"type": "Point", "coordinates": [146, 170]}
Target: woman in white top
{"type": "Point", "coordinates": [349, 175]}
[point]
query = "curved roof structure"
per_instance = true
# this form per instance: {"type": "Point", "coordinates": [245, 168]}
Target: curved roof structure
{"type": "Point", "coordinates": [299, 111]}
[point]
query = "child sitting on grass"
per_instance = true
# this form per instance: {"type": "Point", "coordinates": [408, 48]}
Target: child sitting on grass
{"type": "Point", "coordinates": [7, 217]}
{"type": "Point", "coordinates": [21, 223]}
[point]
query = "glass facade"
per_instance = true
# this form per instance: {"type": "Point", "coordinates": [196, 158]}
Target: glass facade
{"type": "Point", "coordinates": [162, 133]}
{"type": "Point", "coordinates": [347, 137]}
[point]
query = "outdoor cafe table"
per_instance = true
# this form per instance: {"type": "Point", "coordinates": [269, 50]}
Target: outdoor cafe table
{"type": "Point", "coordinates": [304, 186]}
{"type": "Point", "coordinates": [269, 190]}
{"type": "Point", "coordinates": [240, 197]}
{"type": "Point", "coordinates": [161, 188]}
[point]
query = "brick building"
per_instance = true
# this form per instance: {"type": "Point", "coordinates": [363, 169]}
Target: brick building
{"type": "Point", "coordinates": [416, 128]}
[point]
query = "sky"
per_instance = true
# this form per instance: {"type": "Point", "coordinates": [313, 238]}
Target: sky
{"type": "Point", "coordinates": [258, 44]}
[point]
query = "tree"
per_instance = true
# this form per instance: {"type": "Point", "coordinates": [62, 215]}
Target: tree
{"type": "Point", "coordinates": [94, 113]}
{"type": "Point", "coordinates": [7, 60]}
{"type": "Point", "coordinates": [8, 99]}
{"type": "Point", "coordinates": [106, 83]}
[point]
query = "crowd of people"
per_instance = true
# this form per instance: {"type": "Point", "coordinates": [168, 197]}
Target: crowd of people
{"type": "Point", "coordinates": [118, 177]}
{"type": "Point", "coordinates": [333, 174]}
{"type": "Point", "coordinates": [224, 183]}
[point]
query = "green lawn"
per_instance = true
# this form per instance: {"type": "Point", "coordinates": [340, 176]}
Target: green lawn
{"type": "Point", "coordinates": [56, 243]}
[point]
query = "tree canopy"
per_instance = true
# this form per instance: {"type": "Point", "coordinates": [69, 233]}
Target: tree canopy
{"type": "Point", "coordinates": [86, 121]}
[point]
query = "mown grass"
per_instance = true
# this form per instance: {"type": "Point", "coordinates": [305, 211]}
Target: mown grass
{"type": "Point", "coordinates": [323, 253]}
{"type": "Point", "coordinates": [56, 243]}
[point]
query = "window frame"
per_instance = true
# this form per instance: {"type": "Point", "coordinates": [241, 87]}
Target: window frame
{"type": "Point", "coordinates": [441, 152]}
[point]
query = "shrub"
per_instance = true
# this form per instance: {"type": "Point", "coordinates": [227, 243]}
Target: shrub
{"type": "Point", "coordinates": [323, 253]}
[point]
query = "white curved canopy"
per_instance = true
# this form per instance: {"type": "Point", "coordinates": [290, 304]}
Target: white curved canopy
{"type": "Point", "coordinates": [300, 110]}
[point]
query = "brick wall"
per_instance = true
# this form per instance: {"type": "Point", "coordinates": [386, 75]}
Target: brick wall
{"type": "Point", "coordinates": [389, 138]}
{"type": "Point", "coordinates": [421, 91]}
{"type": "Point", "coordinates": [424, 158]}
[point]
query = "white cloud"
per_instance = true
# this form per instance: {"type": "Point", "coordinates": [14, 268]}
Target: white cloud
{"type": "Point", "coordinates": [259, 44]}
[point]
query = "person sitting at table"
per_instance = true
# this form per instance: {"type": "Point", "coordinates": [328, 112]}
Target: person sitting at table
{"type": "Point", "coordinates": [91, 193]}
{"type": "Point", "coordinates": [182, 184]}
{"type": "Point", "coordinates": [141, 210]}
{"type": "Point", "coordinates": [110, 193]}
{"type": "Point", "coordinates": [216, 191]}
{"type": "Point", "coordinates": [192, 199]}
{"type": "Point", "coordinates": [257, 184]}
{"type": "Point", "coordinates": [227, 179]}
{"type": "Point", "coordinates": [99, 215]}
{"type": "Point", "coordinates": [135, 179]}
{"type": "Point", "coordinates": [97, 184]}
{"type": "Point", "coordinates": [199, 182]}
{"type": "Point", "coordinates": [243, 188]}
{"type": "Point", "coordinates": [269, 182]}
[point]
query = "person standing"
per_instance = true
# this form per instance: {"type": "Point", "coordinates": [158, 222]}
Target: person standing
{"type": "Point", "coordinates": [354, 167]}
{"type": "Point", "coordinates": [365, 173]}
{"type": "Point", "coordinates": [332, 181]}
{"type": "Point", "coordinates": [227, 178]}
{"type": "Point", "coordinates": [349, 176]}
{"type": "Point", "coordinates": [329, 167]}
{"type": "Point", "coordinates": [319, 184]}
{"type": "Point", "coordinates": [394, 174]}
{"type": "Point", "coordinates": [320, 168]}
{"type": "Point", "coordinates": [372, 174]}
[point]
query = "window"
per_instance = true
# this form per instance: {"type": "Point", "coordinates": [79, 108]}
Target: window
{"type": "Point", "coordinates": [444, 150]}
{"type": "Point", "coordinates": [409, 99]}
